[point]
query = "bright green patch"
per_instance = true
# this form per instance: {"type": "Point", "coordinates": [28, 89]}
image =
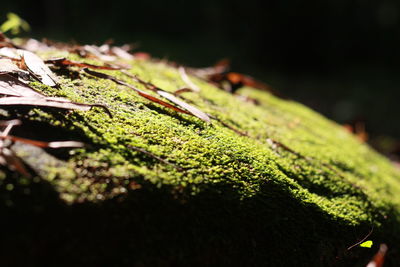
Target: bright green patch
{"type": "Point", "coordinates": [14, 24]}
{"type": "Point", "coordinates": [367, 244]}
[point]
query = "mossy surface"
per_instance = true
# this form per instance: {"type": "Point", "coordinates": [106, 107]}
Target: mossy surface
{"type": "Point", "coordinates": [296, 191]}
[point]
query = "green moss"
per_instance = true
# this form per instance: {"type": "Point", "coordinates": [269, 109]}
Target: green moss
{"type": "Point", "coordinates": [326, 178]}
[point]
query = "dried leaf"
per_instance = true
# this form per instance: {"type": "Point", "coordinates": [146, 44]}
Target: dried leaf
{"type": "Point", "coordinates": [187, 80]}
{"type": "Point", "coordinates": [48, 102]}
{"type": "Point", "coordinates": [10, 122]}
{"type": "Point", "coordinates": [10, 85]}
{"type": "Point", "coordinates": [194, 111]}
{"type": "Point", "coordinates": [9, 125]}
{"type": "Point", "coordinates": [13, 162]}
{"type": "Point", "coordinates": [161, 102]}
{"type": "Point", "coordinates": [55, 144]}
{"type": "Point", "coordinates": [182, 90]}
{"type": "Point", "coordinates": [221, 66]}
{"type": "Point", "coordinates": [142, 56]}
{"type": "Point", "coordinates": [6, 42]}
{"type": "Point", "coordinates": [38, 68]}
{"type": "Point", "coordinates": [34, 45]}
{"type": "Point", "coordinates": [7, 66]}
{"type": "Point", "coordinates": [67, 62]}
{"type": "Point", "coordinates": [99, 52]}
{"type": "Point", "coordinates": [357, 127]}
{"type": "Point", "coordinates": [140, 92]}
{"type": "Point", "coordinates": [10, 52]}
{"type": "Point", "coordinates": [379, 257]}
{"type": "Point", "coordinates": [121, 53]}
{"type": "Point", "coordinates": [238, 80]}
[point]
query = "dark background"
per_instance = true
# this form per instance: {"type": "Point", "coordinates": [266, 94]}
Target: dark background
{"type": "Point", "coordinates": [338, 56]}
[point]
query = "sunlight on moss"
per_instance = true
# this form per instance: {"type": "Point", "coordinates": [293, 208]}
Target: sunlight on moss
{"type": "Point", "coordinates": [332, 171]}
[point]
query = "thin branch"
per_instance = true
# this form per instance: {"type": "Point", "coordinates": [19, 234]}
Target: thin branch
{"type": "Point", "coordinates": [362, 240]}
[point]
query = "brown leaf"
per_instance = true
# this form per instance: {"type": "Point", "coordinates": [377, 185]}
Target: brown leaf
{"type": "Point", "coordinates": [67, 62]}
{"type": "Point", "coordinates": [10, 122]}
{"type": "Point", "coordinates": [55, 144]}
{"type": "Point", "coordinates": [48, 102]}
{"type": "Point", "coordinates": [6, 42]}
{"type": "Point", "coordinates": [121, 53]}
{"type": "Point", "coordinates": [187, 80]}
{"type": "Point", "coordinates": [221, 66]}
{"type": "Point", "coordinates": [7, 66]}
{"type": "Point", "coordinates": [237, 80]}
{"type": "Point", "coordinates": [13, 162]}
{"type": "Point", "coordinates": [357, 127]}
{"type": "Point", "coordinates": [140, 92]}
{"type": "Point", "coordinates": [182, 90]}
{"type": "Point", "coordinates": [379, 257]}
{"type": "Point", "coordinates": [161, 102]}
{"type": "Point", "coordinates": [38, 68]}
{"type": "Point", "coordinates": [142, 56]}
{"type": "Point", "coordinates": [10, 85]}
{"type": "Point", "coordinates": [193, 110]}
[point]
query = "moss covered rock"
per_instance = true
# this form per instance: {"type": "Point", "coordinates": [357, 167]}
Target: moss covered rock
{"type": "Point", "coordinates": [154, 187]}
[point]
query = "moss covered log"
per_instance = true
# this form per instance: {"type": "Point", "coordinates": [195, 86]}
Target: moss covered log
{"type": "Point", "coordinates": [153, 187]}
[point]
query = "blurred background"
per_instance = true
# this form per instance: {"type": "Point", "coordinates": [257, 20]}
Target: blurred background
{"type": "Point", "coordinates": [339, 57]}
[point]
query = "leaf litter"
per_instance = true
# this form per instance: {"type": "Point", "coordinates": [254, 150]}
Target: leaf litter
{"type": "Point", "coordinates": [17, 66]}
{"type": "Point", "coordinates": [15, 61]}
{"type": "Point", "coordinates": [7, 156]}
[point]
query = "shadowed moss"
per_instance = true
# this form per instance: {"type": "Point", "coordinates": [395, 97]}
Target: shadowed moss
{"type": "Point", "coordinates": [297, 190]}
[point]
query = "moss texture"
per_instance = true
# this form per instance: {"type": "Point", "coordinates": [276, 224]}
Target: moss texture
{"type": "Point", "coordinates": [298, 190]}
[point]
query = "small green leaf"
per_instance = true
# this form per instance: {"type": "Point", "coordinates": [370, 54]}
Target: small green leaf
{"type": "Point", "coordinates": [367, 244]}
{"type": "Point", "coordinates": [14, 24]}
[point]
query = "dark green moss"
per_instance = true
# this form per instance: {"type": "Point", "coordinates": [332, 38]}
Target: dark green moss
{"type": "Point", "coordinates": [217, 198]}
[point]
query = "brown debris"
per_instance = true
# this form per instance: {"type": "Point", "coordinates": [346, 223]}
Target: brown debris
{"type": "Point", "coordinates": [191, 109]}
{"type": "Point", "coordinates": [48, 102]}
{"type": "Point", "coordinates": [38, 68]}
{"type": "Point", "coordinates": [11, 86]}
{"type": "Point", "coordinates": [54, 144]}
{"type": "Point", "coordinates": [182, 90]}
{"type": "Point", "coordinates": [188, 109]}
{"type": "Point", "coordinates": [67, 62]}
{"type": "Point", "coordinates": [357, 128]}
{"type": "Point", "coordinates": [379, 257]}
